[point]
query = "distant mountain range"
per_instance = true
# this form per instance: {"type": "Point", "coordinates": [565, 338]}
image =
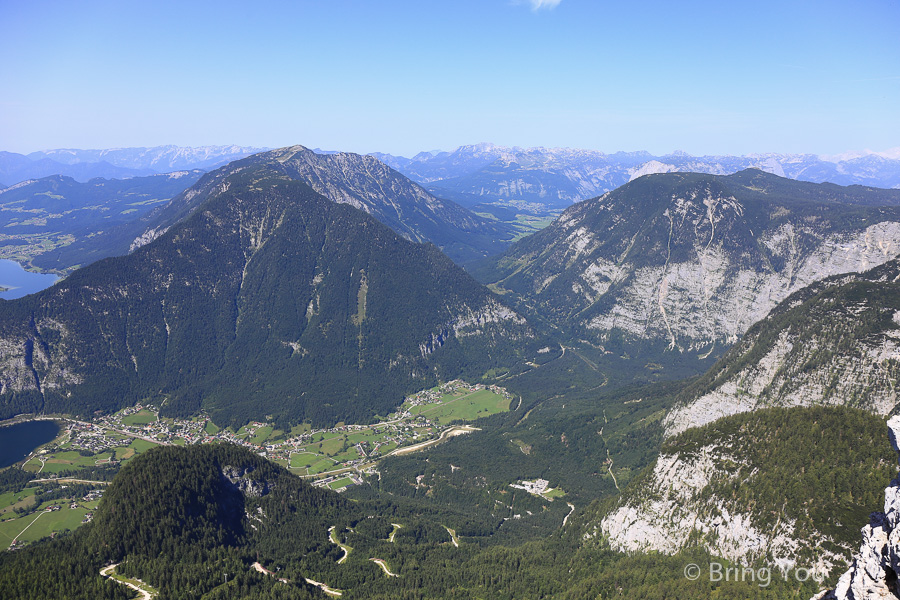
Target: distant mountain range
{"type": "Point", "coordinates": [553, 178]}
{"type": "Point", "coordinates": [116, 163]}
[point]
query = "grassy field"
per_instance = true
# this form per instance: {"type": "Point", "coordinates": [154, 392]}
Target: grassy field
{"type": "Point", "coordinates": [466, 406]}
{"type": "Point", "coordinates": [70, 459]}
{"type": "Point", "coordinates": [142, 417]}
{"type": "Point", "coordinates": [44, 523]}
{"type": "Point", "coordinates": [13, 500]}
{"type": "Point", "coordinates": [262, 434]}
{"type": "Point", "coordinates": [211, 428]}
{"type": "Point", "coordinates": [340, 483]}
{"type": "Point", "coordinates": [554, 493]}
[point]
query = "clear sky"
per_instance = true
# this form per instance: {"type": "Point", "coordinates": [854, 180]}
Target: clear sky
{"type": "Point", "coordinates": [706, 77]}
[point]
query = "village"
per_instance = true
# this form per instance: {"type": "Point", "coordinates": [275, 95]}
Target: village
{"type": "Point", "coordinates": [333, 457]}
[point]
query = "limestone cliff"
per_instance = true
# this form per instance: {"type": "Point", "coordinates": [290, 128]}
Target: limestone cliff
{"type": "Point", "coordinates": [755, 488]}
{"type": "Point", "coordinates": [835, 342]}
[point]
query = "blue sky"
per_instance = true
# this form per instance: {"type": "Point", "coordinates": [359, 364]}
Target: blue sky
{"type": "Point", "coordinates": [395, 76]}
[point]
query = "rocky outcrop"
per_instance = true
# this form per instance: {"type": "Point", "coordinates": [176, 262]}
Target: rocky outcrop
{"type": "Point", "coordinates": [672, 510]}
{"type": "Point", "coordinates": [875, 571]}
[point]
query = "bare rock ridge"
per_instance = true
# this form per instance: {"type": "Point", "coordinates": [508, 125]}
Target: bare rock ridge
{"type": "Point", "coordinates": [875, 571]}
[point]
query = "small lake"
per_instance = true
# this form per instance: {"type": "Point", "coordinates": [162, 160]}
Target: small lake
{"type": "Point", "coordinates": [19, 440]}
{"type": "Point", "coordinates": [21, 282]}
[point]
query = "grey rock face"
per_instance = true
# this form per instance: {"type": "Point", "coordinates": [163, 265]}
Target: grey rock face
{"type": "Point", "coordinates": [835, 342]}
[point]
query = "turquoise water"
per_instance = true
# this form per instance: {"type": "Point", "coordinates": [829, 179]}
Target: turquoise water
{"type": "Point", "coordinates": [21, 282]}
{"type": "Point", "coordinates": [19, 440]}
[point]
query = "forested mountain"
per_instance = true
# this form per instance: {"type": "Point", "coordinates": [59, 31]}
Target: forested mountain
{"type": "Point", "coordinates": [688, 262]}
{"type": "Point", "coordinates": [268, 300]}
{"type": "Point", "coordinates": [547, 178]}
{"type": "Point", "coordinates": [834, 342]}
{"type": "Point", "coordinates": [48, 221]}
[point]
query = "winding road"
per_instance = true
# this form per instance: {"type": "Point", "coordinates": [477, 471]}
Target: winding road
{"type": "Point", "coordinates": [110, 571]}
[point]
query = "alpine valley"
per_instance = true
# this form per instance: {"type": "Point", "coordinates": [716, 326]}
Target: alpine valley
{"type": "Point", "coordinates": [690, 367]}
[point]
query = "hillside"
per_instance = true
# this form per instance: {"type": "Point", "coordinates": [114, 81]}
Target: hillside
{"type": "Point", "coordinates": [267, 300]}
{"type": "Point", "coordinates": [834, 342]}
{"type": "Point", "coordinates": [688, 262]}
{"type": "Point", "coordinates": [367, 184]}
{"type": "Point", "coordinates": [784, 486]}
{"type": "Point", "coordinates": [218, 522]}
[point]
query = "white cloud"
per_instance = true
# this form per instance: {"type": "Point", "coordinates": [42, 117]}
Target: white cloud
{"type": "Point", "coordinates": [539, 4]}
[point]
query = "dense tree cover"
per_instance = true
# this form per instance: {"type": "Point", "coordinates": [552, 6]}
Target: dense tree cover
{"type": "Point", "coordinates": [14, 480]}
{"type": "Point", "coordinates": [191, 521]}
{"type": "Point", "coordinates": [268, 300]}
{"type": "Point", "coordinates": [566, 426]}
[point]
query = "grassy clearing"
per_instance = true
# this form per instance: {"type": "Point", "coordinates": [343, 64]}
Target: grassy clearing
{"type": "Point", "coordinates": [211, 428]}
{"type": "Point", "coordinates": [142, 417]}
{"type": "Point", "coordinates": [340, 483]}
{"type": "Point", "coordinates": [466, 407]}
{"type": "Point", "coordinates": [10, 501]}
{"type": "Point", "coordinates": [261, 435]}
{"type": "Point", "coordinates": [554, 493]}
{"type": "Point", "coordinates": [41, 524]}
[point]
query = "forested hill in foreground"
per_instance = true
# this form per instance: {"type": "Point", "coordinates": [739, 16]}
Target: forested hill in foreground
{"type": "Point", "coordinates": [268, 300]}
{"type": "Point", "coordinates": [690, 261]}
{"type": "Point", "coordinates": [191, 522]}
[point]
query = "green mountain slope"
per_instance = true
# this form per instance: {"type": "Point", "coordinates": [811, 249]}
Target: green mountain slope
{"type": "Point", "coordinates": [192, 522]}
{"type": "Point", "coordinates": [784, 486]}
{"type": "Point", "coordinates": [267, 300]}
{"type": "Point", "coordinates": [367, 184]}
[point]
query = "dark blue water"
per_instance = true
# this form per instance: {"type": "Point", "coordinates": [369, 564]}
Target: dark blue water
{"type": "Point", "coordinates": [21, 282]}
{"type": "Point", "coordinates": [17, 441]}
